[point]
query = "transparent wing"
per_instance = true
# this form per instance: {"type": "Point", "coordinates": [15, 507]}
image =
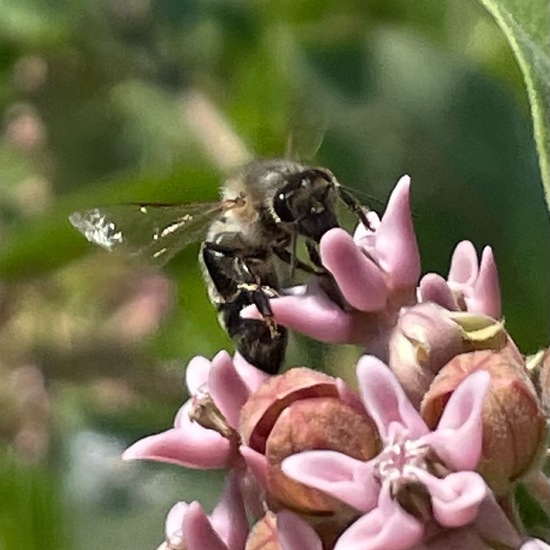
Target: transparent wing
{"type": "Point", "coordinates": [306, 131]}
{"type": "Point", "coordinates": [156, 232]}
{"type": "Point", "coordinates": [365, 198]}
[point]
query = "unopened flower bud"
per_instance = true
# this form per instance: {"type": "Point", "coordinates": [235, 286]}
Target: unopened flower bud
{"type": "Point", "coordinates": [514, 426]}
{"type": "Point", "coordinates": [544, 381]}
{"type": "Point", "coordinates": [539, 367]}
{"type": "Point", "coordinates": [303, 410]}
{"type": "Point", "coordinates": [428, 336]}
{"type": "Point", "coordinates": [424, 340]}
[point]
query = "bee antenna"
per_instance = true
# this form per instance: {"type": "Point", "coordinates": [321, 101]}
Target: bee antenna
{"type": "Point", "coordinates": [238, 202]}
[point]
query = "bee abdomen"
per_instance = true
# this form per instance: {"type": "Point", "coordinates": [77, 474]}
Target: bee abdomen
{"type": "Point", "coordinates": [254, 339]}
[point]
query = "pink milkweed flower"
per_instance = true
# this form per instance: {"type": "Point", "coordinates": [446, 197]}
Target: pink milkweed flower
{"type": "Point", "coordinates": [419, 476]}
{"type": "Point", "coordinates": [226, 528]}
{"type": "Point", "coordinates": [376, 272]}
{"type": "Point", "coordinates": [471, 285]}
{"type": "Point", "coordinates": [534, 544]}
{"type": "Point", "coordinates": [211, 442]}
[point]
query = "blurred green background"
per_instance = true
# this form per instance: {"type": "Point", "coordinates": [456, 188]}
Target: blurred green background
{"type": "Point", "coordinates": [128, 100]}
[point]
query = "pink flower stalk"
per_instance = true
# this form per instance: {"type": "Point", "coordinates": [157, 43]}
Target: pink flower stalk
{"type": "Point", "coordinates": [296, 534]}
{"type": "Point", "coordinates": [412, 455]}
{"type": "Point", "coordinates": [376, 272]}
{"type": "Point", "coordinates": [471, 285]}
{"type": "Point", "coordinates": [189, 443]}
{"type": "Point", "coordinates": [226, 528]}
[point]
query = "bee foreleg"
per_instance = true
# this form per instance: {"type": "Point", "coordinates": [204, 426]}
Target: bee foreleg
{"type": "Point", "coordinates": [354, 205]}
{"type": "Point", "coordinates": [313, 253]}
{"type": "Point", "coordinates": [328, 284]}
{"type": "Point", "coordinates": [285, 256]}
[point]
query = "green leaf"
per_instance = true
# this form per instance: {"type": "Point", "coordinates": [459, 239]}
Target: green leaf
{"type": "Point", "coordinates": [525, 24]}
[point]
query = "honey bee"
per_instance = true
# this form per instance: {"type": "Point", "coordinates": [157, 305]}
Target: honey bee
{"type": "Point", "coordinates": [264, 208]}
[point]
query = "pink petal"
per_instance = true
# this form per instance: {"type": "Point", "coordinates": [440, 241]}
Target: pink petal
{"type": "Point", "coordinates": [434, 288]}
{"type": "Point", "coordinates": [349, 396]}
{"type": "Point", "coordinates": [455, 498]}
{"type": "Point", "coordinates": [257, 463]}
{"type": "Point", "coordinates": [396, 245]}
{"type": "Point", "coordinates": [196, 373]}
{"type": "Point", "coordinates": [485, 294]}
{"type": "Point", "coordinates": [198, 531]}
{"type": "Point", "coordinates": [174, 520]}
{"type": "Point", "coordinates": [192, 446]}
{"type": "Point", "coordinates": [387, 527]}
{"type": "Point", "coordinates": [534, 544]}
{"type": "Point", "coordinates": [295, 534]}
{"type": "Point", "coordinates": [458, 437]}
{"type": "Point", "coordinates": [336, 474]}
{"type": "Point", "coordinates": [385, 399]}
{"type": "Point", "coordinates": [229, 516]}
{"type": "Point", "coordinates": [464, 265]}
{"type": "Point", "coordinates": [182, 416]}
{"type": "Point", "coordinates": [227, 389]}
{"type": "Point", "coordinates": [250, 375]}
{"type": "Point", "coordinates": [360, 280]}
{"type": "Point", "coordinates": [314, 314]}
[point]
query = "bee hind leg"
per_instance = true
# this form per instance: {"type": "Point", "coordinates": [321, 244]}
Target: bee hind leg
{"type": "Point", "coordinates": [235, 281]}
{"type": "Point", "coordinates": [260, 296]}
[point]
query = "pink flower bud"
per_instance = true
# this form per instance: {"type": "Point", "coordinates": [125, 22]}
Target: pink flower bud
{"type": "Point", "coordinates": [514, 426]}
{"type": "Point", "coordinates": [304, 410]}
{"type": "Point", "coordinates": [539, 367]}
{"type": "Point", "coordinates": [424, 340]}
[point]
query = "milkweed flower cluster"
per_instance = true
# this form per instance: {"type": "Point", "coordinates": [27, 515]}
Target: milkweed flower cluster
{"type": "Point", "coordinates": [447, 420]}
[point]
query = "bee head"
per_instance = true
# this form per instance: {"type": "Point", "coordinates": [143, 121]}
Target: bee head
{"type": "Point", "coordinates": [307, 200]}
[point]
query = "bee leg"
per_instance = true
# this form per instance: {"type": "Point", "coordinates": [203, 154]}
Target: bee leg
{"type": "Point", "coordinates": [328, 284]}
{"type": "Point", "coordinates": [313, 253]}
{"type": "Point", "coordinates": [233, 277]}
{"type": "Point", "coordinates": [355, 206]}
{"type": "Point", "coordinates": [253, 338]}
{"type": "Point", "coordinates": [259, 294]}
{"type": "Point", "coordinates": [293, 255]}
{"type": "Point", "coordinates": [234, 283]}
{"type": "Point", "coordinates": [285, 256]}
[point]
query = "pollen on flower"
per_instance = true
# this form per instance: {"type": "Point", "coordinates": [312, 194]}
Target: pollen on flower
{"type": "Point", "coordinates": [399, 461]}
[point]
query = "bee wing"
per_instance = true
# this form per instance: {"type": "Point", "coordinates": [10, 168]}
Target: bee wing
{"type": "Point", "coordinates": [156, 232]}
{"type": "Point", "coordinates": [306, 131]}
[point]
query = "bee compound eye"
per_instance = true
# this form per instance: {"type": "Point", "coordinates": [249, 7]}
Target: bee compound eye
{"type": "Point", "coordinates": [281, 207]}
